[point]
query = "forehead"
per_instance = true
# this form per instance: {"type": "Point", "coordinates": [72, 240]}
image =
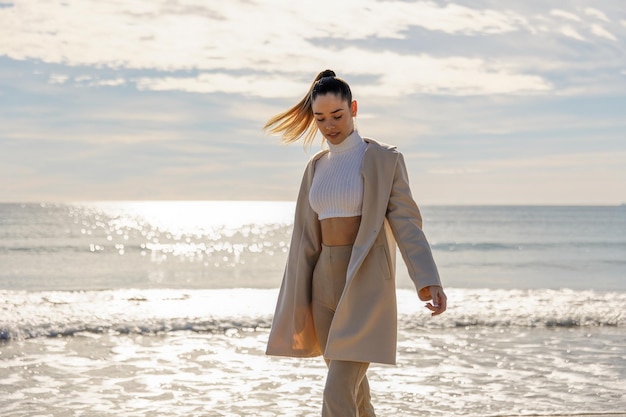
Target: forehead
{"type": "Point", "coordinates": [328, 103]}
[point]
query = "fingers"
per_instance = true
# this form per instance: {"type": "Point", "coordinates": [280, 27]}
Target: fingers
{"type": "Point", "coordinates": [439, 301]}
{"type": "Point", "coordinates": [436, 309]}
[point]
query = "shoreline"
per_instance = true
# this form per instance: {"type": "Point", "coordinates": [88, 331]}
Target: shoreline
{"type": "Point", "coordinates": [611, 414]}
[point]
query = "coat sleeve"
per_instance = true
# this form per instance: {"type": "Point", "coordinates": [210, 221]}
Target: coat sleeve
{"type": "Point", "coordinates": [405, 221]}
{"type": "Point", "coordinates": [292, 332]}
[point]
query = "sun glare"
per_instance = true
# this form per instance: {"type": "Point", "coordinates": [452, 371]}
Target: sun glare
{"type": "Point", "coordinates": [196, 217]}
{"type": "Point", "coordinates": [218, 233]}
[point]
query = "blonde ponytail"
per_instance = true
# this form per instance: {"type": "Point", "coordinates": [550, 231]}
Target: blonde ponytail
{"type": "Point", "coordinates": [298, 121]}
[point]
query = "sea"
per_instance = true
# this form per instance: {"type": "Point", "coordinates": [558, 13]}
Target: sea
{"type": "Point", "coordinates": [163, 308]}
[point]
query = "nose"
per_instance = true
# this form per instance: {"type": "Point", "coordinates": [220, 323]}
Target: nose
{"type": "Point", "coordinates": [329, 126]}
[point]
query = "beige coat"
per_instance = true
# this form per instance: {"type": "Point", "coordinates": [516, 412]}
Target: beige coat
{"type": "Point", "coordinates": [364, 328]}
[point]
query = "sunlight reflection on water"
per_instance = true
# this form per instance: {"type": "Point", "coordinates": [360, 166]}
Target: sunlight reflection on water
{"type": "Point", "coordinates": [188, 218]}
{"type": "Point", "coordinates": [214, 234]}
{"type": "Point", "coordinates": [219, 244]}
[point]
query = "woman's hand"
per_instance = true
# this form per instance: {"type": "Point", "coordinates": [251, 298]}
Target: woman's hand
{"type": "Point", "coordinates": [439, 300]}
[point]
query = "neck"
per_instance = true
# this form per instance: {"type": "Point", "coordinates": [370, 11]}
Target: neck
{"type": "Point", "coordinates": [350, 142]}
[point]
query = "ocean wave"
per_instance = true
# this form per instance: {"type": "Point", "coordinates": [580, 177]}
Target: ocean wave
{"type": "Point", "coordinates": [67, 313]}
{"type": "Point", "coordinates": [156, 327]}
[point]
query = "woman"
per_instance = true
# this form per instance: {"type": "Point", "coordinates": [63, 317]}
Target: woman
{"type": "Point", "coordinates": [337, 297]}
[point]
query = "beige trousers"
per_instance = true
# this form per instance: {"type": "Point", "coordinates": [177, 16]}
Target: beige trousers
{"type": "Point", "coordinates": [347, 392]}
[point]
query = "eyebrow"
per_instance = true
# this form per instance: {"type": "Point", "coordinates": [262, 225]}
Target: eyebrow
{"type": "Point", "coordinates": [332, 112]}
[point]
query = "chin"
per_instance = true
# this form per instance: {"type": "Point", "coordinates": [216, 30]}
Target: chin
{"type": "Point", "coordinates": [335, 140]}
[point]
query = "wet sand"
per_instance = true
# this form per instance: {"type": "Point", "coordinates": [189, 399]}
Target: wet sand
{"type": "Point", "coordinates": [183, 374]}
{"type": "Point", "coordinates": [572, 415]}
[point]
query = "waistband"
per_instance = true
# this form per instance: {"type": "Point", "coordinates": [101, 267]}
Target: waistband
{"type": "Point", "coordinates": [342, 249]}
{"type": "Point", "coordinates": [328, 247]}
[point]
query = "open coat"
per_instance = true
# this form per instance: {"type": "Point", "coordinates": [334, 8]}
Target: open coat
{"type": "Point", "coordinates": [364, 328]}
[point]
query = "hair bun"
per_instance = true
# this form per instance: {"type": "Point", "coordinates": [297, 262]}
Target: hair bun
{"type": "Point", "coordinates": [327, 73]}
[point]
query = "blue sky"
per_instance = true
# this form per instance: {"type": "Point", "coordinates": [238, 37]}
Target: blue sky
{"type": "Point", "coordinates": [492, 102]}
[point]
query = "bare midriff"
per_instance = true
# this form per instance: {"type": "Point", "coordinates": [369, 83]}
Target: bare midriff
{"type": "Point", "coordinates": [340, 231]}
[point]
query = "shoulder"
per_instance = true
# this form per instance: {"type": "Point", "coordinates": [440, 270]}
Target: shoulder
{"type": "Point", "coordinates": [381, 151]}
{"type": "Point", "coordinates": [378, 146]}
{"type": "Point", "coordinates": [380, 158]}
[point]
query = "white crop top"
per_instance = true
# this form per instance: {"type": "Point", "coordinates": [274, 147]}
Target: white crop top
{"type": "Point", "coordinates": [337, 188]}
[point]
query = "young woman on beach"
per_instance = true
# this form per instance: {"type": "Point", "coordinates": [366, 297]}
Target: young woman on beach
{"type": "Point", "coordinates": [337, 297]}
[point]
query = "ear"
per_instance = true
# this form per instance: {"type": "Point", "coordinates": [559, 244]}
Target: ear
{"type": "Point", "coordinates": [354, 108]}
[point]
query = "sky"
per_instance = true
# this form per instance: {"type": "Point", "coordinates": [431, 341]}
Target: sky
{"type": "Point", "coordinates": [491, 102]}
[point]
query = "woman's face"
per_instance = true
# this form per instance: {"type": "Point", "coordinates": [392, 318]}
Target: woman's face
{"type": "Point", "coordinates": [333, 117]}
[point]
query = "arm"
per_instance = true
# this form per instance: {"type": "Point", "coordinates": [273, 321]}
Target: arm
{"type": "Point", "coordinates": [406, 223]}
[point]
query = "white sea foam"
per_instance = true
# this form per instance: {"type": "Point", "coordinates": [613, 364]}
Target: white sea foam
{"type": "Point", "coordinates": [152, 311]}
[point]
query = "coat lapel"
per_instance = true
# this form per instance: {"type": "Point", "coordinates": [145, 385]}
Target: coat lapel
{"type": "Point", "coordinates": [377, 169]}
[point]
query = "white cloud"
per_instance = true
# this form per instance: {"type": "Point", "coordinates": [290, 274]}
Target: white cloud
{"type": "Point", "coordinates": [454, 75]}
{"type": "Point", "coordinates": [264, 38]}
{"type": "Point", "coordinates": [82, 78]}
{"type": "Point", "coordinates": [571, 33]}
{"type": "Point", "coordinates": [398, 75]}
{"type": "Point", "coordinates": [231, 35]}
{"type": "Point", "coordinates": [114, 82]}
{"type": "Point", "coordinates": [450, 19]}
{"type": "Point", "coordinates": [565, 15]}
{"type": "Point", "coordinates": [263, 86]}
{"type": "Point", "coordinates": [88, 80]}
{"type": "Point", "coordinates": [598, 14]}
{"type": "Point", "coordinates": [602, 32]}
{"type": "Point", "coordinates": [58, 78]}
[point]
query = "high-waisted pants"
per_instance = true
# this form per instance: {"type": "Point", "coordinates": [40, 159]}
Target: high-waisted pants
{"type": "Point", "coordinates": [347, 392]}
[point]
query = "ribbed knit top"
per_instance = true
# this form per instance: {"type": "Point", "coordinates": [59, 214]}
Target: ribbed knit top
{"type": "Point", "coordinates": [337, 188]}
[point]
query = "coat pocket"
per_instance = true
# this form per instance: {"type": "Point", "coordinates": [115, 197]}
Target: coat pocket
{"type": "Point", "coordinates": [383, 261]}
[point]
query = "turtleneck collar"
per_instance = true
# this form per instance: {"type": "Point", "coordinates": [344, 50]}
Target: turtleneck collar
{"type": "Point", "coordinates": [351, 142]}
